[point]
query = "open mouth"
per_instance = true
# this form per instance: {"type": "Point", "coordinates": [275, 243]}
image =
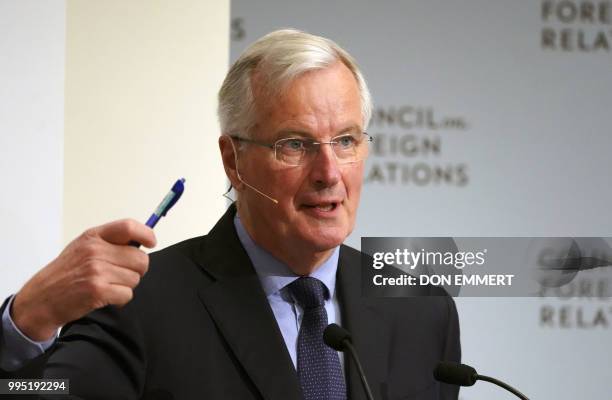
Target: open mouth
{"type": "Point", "coordinates": [326, 207]}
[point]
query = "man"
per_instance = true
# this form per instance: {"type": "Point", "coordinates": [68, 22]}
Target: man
{"type": "Point", "coordinates": [239, 313]}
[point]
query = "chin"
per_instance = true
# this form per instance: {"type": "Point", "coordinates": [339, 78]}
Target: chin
{"type": "Point", "coordinates": [323, 239]}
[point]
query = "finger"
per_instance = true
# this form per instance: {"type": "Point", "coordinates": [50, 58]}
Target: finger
{"type": "Point", "coordinates": [126, 257]}
{"type": "Point", "coordinates": [118, 295]}
{"type": "Point", "coordinates": [125, 231]}
{"type": "Point", "coordinates": [115, 275]}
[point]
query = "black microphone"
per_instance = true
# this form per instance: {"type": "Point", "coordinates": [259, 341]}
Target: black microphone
{"type": "Point", "coordinates": [339, 339]}
{"type": "Point", "coordinates": [464, 375]}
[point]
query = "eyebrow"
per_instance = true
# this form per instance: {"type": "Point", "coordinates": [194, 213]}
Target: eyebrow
{"type": "Point", "coordinates": [287, 133]}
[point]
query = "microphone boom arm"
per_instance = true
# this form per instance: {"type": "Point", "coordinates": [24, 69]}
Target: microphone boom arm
{"type": "Point", "coordinates": [351, 349]}
{"type": "Point", "coordinates": [503, 385]}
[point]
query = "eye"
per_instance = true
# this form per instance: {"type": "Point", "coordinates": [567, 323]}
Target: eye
{"type": "Point", "coordinates": [293, 144]}
{"type": "Point", "coordinates": [346, 141]}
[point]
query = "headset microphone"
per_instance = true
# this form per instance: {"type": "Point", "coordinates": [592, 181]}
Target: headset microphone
{"type": "Point", "coordinates": [272, 199]}
{"type": "Point", "coordinates": [255, 189]}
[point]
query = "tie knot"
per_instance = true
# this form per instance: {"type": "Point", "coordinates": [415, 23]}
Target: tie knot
{"type": "Point", "coordinates": [309, 292]}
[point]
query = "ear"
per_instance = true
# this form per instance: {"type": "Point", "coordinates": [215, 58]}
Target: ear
{"type": "Point", "coordinates": [228, 155]}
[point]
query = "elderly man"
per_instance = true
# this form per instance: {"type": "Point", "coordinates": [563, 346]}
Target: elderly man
{"type": "Point", "coordinates": [239, 313]}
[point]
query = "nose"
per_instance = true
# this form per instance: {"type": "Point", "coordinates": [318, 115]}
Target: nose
{"type": "Point", "coordinates": [324, 171]}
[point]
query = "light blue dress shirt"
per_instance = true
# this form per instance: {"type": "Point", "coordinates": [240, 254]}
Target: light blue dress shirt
{"type": "Point", "coordinates": [16, 347]}
{"type": "Point", "coordinates": [274, 276]}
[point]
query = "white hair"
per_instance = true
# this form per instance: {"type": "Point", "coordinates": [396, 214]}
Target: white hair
{"type": "Point", "coordinates": [280, 56]}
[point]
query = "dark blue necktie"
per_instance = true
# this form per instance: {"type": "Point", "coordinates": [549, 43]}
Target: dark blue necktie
{"type": "Point", "coordinates": [318, 365]}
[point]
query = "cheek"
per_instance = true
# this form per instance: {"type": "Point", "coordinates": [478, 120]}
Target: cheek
{"type": "Point", "coordinates": [265, 174]}
{"type": "Point", "coordinates": [289, 182]}
{"type": "Point", "coordinates": [284, 186]}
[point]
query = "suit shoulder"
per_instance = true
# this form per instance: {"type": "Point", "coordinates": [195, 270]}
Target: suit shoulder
{"type": "Point", "coordinates": [174, 266]}
{"type": "Point", "coordinates": [186, 248]}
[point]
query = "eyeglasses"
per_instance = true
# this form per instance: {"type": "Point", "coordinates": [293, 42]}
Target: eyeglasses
{"type": "Point", "coordinates": [348, 148]}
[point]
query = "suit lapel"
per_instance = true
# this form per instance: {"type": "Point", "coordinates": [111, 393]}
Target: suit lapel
{"type": "Point", "coordinates": [240, 309]}
{"type": "Point", "coordinates": [367, 326]}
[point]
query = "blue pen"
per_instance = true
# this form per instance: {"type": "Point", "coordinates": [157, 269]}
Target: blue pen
{"type": "Point", "coordinates": [166, 204]}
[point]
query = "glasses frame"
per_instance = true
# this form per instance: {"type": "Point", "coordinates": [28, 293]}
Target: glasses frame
{"type": "Point", "coordinates": [274, 146]}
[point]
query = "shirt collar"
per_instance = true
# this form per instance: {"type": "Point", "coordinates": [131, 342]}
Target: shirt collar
{"type": "Point", "coordinates": [273, 274]}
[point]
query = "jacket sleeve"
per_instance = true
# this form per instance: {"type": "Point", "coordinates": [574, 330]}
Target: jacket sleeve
{"type": "Point", "coordinates": [101, 354]}
{"type": "Point", "coordinates": [16, 350]}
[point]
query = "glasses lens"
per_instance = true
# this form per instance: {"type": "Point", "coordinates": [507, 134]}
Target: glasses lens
{"type": "Point", "coordinates": [290, 151]}
{"type": "Point", "coordinates": [348, 148]}
{"type": "Point", "coordinates": [351, 147]}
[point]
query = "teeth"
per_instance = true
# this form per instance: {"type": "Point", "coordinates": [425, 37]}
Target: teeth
{"type": "Point", "coordinates": [326, 207]}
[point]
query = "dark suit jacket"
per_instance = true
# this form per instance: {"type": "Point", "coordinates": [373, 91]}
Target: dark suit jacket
{"type": "Point", "coordinates": [200, 327]}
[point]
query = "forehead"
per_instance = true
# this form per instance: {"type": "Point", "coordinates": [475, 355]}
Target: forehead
{"type": "Point", "coordinates": [319, 103]}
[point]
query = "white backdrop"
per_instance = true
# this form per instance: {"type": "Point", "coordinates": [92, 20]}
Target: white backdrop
{"type": "Point", "coordinates": [32, 37]}
{"type": "Point", "coordinates": [103, 105]}
{"type": "Point", "coordinates": [492, 119]}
